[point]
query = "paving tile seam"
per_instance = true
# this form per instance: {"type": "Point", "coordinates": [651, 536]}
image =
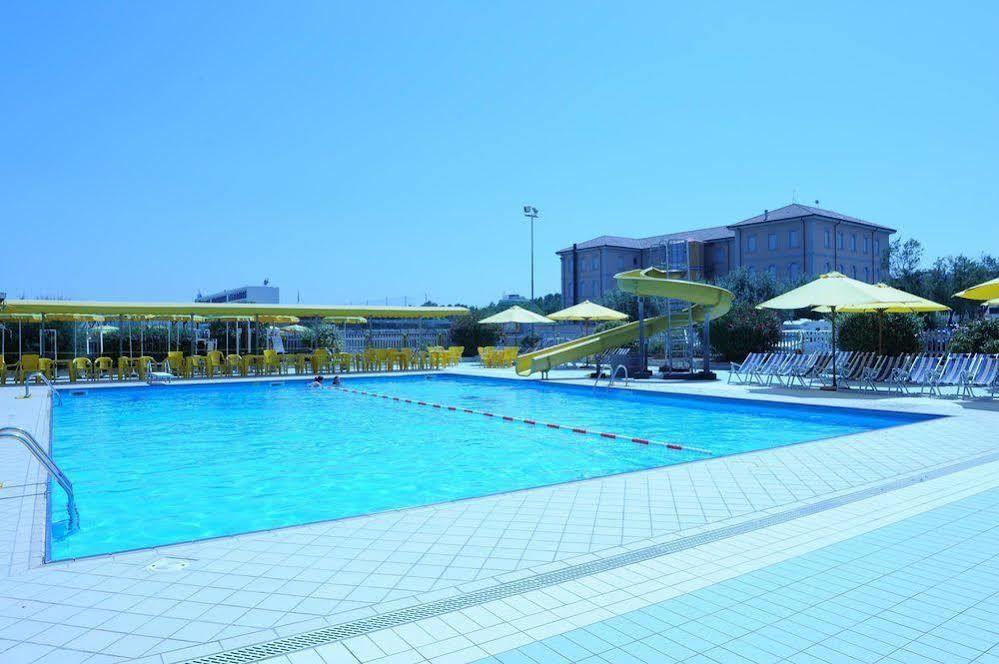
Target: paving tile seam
{"type": "Point", "coordinates": [335, 633]}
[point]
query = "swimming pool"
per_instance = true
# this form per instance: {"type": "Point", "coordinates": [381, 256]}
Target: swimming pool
{"type": "Point", "coordinates": [155, 466]}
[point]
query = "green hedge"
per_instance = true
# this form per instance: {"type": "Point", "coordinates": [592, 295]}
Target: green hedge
{"type": "Point", "coordinates": [900, 333]}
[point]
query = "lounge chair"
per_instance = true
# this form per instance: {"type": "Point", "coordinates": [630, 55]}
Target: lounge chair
{"type": "Point", "coordinates": [795, 370]}
{"type": "Point", "coordinates": [761, 373]}
{"type": "Point", "coordinates": [825, 376]}
{"type": "Point", "coordinates": [743, 370]}
{"type": "Point", "coordinates": [984, 373]}
{"type": "Point", "coordinates": [915, 374]}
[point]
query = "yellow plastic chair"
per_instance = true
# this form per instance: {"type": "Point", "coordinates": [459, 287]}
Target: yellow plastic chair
{"type": "Point", "coordinates": [28, 364]}
{"type": "Point", "coordinates": [81, 367]}
{"type": "Point", "coordinates": [197, 366]}
{"type": "Point", "coordinates": [321, 361]}
{"type": "Point", "coordinates": [214, 363]}
{"type": "Point", "coordinates": [234, 365]}
{"type": "Point", "coordinates": [405, 358]}
{"type": "Point", "coordinates": [272, 363]}
{"type": "Point", "coordinates": [175, 363]}
{"type": "Point", "coordinates": [103, 366]}
{"type": "Point", "coordinates": [126, 367]}
{"type": "Point", "coordinates": [144, 365]}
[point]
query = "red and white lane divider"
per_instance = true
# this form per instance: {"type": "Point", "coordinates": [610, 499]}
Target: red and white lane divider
{"type": "Point", "coordinates": [522, 420]}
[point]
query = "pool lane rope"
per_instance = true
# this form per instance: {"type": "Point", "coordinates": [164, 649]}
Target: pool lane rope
{"type": "Point", "coordinates": [523, 420]}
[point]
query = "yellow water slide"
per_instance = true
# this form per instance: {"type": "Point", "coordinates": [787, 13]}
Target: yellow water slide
{"type": "Point", "coordinates": [705, 300]}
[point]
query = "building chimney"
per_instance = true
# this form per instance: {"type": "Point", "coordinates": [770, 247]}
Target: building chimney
{"type": "Point", "coordinates": [765, 213]}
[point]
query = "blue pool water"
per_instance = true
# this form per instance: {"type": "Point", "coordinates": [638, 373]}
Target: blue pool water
{"type": "Point", "coordinates": [178, 463]}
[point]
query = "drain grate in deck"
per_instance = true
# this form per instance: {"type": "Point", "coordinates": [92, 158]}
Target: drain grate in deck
{"type": "Point", "coordinates": [325, 635]}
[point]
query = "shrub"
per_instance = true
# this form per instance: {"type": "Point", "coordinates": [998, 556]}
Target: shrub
{"type": "Point", "coordinates": [467, 332]}
{"type": "Point", "coordinates": [745, 330]}
{"type": "Point", "coordinates": [329, 336]}
{"type": "Point", "coordinates": [900, 333]}
{"type": "Point", "coordinates": [977, 336]}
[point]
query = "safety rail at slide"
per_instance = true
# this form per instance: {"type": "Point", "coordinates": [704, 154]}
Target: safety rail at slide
{"type": "Point", "coordinates": [705, 300]}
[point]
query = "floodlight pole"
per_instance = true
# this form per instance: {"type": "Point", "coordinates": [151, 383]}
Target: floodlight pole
{"type": "Point", "coordinates": [531, 213]}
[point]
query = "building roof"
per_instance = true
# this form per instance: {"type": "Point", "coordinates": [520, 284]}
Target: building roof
{"type": "Point", "coordinates": [698, 235]}
{"type": "Point", "coordinates": [797, 211]}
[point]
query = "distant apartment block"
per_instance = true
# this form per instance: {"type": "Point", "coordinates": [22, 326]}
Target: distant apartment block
{"type": "Point", "coordinates": [252, 294]}
{"type": "Point", "coordinates": [792, 242]}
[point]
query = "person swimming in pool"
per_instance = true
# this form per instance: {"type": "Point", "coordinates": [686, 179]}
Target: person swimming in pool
{"type": "Point", "coordinates": [336, 380]}
{"type": "Point", "coordinates": [316, 382]}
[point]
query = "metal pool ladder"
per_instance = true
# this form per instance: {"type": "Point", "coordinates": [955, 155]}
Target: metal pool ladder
{"type": "Point", "coordinates": [29, 442]}
{"type": "Point", "coordinates": [53, 392]}
{"type": "Point", "coordinates": [620, 367]}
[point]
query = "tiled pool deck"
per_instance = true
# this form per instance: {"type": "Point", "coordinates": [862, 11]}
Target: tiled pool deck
{"type": "Point", "coordinates": [901, 575]}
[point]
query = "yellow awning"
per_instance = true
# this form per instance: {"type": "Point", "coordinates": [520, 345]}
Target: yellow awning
{"type": "Point", "coordinates": [985, 291]}
{"type": "Point", "coordinates": [833, 290]}
{"type": "Point", "coordinates": [894, 301]}
{"type": "Point", "coordinates": [587, 311]}
{"type": "Point", "coordinates": [516, 314]}
{"type": "Point", "coordinates": [225, 309]}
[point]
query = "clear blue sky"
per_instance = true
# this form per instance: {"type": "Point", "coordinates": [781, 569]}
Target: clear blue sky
{"type": "Point", "coordinates": [354, 151]}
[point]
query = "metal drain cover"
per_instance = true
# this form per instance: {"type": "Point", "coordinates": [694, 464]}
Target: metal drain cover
{"type": "Point", "coordinates": [168, 565]}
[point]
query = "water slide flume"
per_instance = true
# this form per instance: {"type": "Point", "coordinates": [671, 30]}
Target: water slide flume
{"type": "Point", "coordinates": [707, 302]}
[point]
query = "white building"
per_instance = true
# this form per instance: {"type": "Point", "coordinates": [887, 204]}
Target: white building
{"type": "Point", "coordinates": [254, 294]}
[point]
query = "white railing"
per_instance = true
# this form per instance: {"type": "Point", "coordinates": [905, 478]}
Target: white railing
{"type": "Point", "coordinates": [806, 341]}
{"type": "Point", "coordinates": [936, 341]}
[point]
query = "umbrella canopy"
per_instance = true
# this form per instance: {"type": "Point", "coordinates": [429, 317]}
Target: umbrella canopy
{"type": "Point", "coordinates": [834, 290]}
{"type": "Point", "coordinates": [985, 291]}
{"type": "Point", "coordinates": [346, 320]}
{"type": "Point", "coordinates": [894, 301]}
{"type": "Point", "coordinates": [76, 318]}
{"type": "Point", "coordinates": [279, 320]}
{"type": "Point", "coordinates": [294, 329]}
{"type": "Point", "coordinates": [516, 314]}
{"type": "Point", "coordinates": [587, 311]}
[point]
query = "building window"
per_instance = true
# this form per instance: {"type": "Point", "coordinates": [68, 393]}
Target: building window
{"type": "Point", "coordinates": [620, 262]}
{"type": "Point", "coordinates": [877, 273]}
{"type": "Point", "coordinates": [877, 247]}
{"type": "Point", "coordinates": [634, 261]}
{"type": "Point", "coordinates": [772, 241]}
{"type": "Point", "coordinates": [792, 271]}
{"type": "Point", "coordinates": [841, 270]}
{"type": "Point", "coordinates": [867, 274]}
{"type": "Point", "coordinates": [828, 241]}
{"type": "Point", "coordinates": [792, 239]}
{"type": "Point", "coordinates": [596, 263]}
{"type": "Point", "coordinates": [751, 242]}
{"type": "Point", "coordinates": [853, 242]}
{"type": "Point", "coordinates": [867, 244]}
{"type": "Point", "coordinates": [828, 267]}
{"type": "Point", "coordinates": [853, 271]}
{"type": "Point", "coordinates": [773, 271]}
{"type": "Point", "coordinates": [839, 240]}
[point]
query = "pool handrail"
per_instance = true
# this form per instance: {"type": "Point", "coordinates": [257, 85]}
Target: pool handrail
{"type": "Point", "coordinates": [29, 442]}
{"type": "Point", "coordinates": [53, 392]}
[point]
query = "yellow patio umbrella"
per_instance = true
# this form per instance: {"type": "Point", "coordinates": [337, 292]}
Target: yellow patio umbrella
{"type": "Point", "coordinates": [294, 329]}
{"type": "Point", "coordinates": [587, 312]}
{"type": "Point", "coordinates": [516, 314]}
{"type": "Point", "coordinates": [896, 301]}
{"type": "Point", "coordinates": [833, 290]}
{"type": "Point", "coordinates": [278, 320]}
{"type": "Point", "coordinates": [984, 291]}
